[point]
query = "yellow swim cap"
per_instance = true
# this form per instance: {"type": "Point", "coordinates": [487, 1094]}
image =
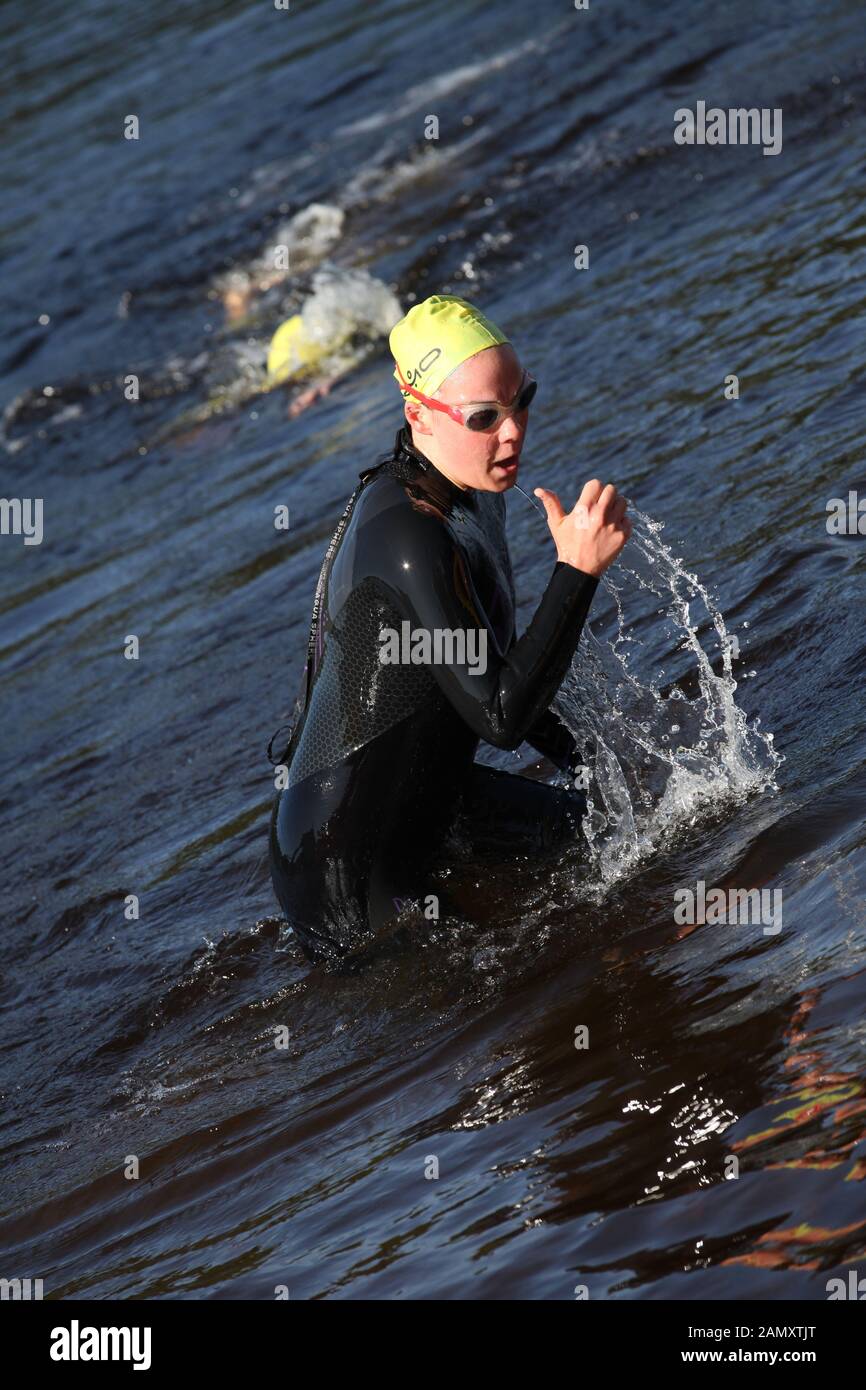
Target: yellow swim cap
{"type": "Point", "coordinates": [291, 350]}
{"type": "Point", "coordinates": [435, 337]}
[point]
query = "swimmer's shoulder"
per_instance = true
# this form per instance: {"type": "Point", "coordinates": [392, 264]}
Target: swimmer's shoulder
{"type": "Point", "coordinates": [400, 503]}
{"type": "Point", "coordinates": [395, 526]}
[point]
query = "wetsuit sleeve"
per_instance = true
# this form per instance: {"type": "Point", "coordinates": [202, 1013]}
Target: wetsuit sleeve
{"type": "Point", "coordinates": [499, 696]}
{"type": "Point", "coordinates": [550, 736]}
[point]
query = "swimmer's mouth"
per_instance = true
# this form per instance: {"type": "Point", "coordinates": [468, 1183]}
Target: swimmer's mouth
{"type": "Point", "coordinates": [508, 464]}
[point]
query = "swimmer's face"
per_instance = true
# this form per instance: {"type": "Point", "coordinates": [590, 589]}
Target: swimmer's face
{"type": "Point", "coordinates": [472, 457]}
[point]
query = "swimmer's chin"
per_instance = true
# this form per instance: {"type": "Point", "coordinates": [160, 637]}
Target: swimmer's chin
{"type": "Point", "coordinates": [503, 479]}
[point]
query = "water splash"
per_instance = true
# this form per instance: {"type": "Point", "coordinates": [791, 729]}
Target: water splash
{"type": "Point", "coordinates": [665, 749]}
{"type": "Point", "coordinates": [348, 310]}
{"type": "Point", "coordinates": [295, 248]}
{"type": "Point", "coordinates": [346, 315]}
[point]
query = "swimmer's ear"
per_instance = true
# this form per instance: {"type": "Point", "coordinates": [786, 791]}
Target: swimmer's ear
{"type": "Point", "coordinates": [417, 416]}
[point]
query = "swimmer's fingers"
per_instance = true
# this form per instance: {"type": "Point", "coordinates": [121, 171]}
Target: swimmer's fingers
{"type": "Point", "coordinates": [592, 535]}
{"type": "Point", "coordinates": [590, 494]}
{"type": "Point", "coordinates": [552, 505]}
{"type": "Point", "coordinates": [610, 512]}
{"type": "Point", "coordinates": [589, 508]}
{"type": "Point", "coordinates": [618, 530]}
{"type": "Point", "coordinates": [618, 510]}
{"type": "Point", "coordinates": [605, 507]}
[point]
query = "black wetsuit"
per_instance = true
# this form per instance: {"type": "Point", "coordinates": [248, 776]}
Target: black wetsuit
{"type": "Point", "coordinates": [380, 762]}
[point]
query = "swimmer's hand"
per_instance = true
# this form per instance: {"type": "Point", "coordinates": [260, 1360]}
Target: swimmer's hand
{"type": "Point", "coordinates": [309, 396]}
{"type": "Point", "coordinates": [592, 535]}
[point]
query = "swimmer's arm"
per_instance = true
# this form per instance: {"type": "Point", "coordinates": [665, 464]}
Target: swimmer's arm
{"type": "Point", "coordinates": [551, 737]}
{"type": "Point", "coordinates": [433, 589]}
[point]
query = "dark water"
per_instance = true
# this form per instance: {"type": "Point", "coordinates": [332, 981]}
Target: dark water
{"type": "Point", "coordinates": [306, 1165]}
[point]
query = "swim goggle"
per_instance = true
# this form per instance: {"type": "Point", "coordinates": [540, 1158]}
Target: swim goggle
{"type": "Point", "coordinates": [478, 415]}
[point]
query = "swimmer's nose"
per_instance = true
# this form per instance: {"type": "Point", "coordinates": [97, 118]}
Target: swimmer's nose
{"type": "Point", "coordinates": [511, 431]}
